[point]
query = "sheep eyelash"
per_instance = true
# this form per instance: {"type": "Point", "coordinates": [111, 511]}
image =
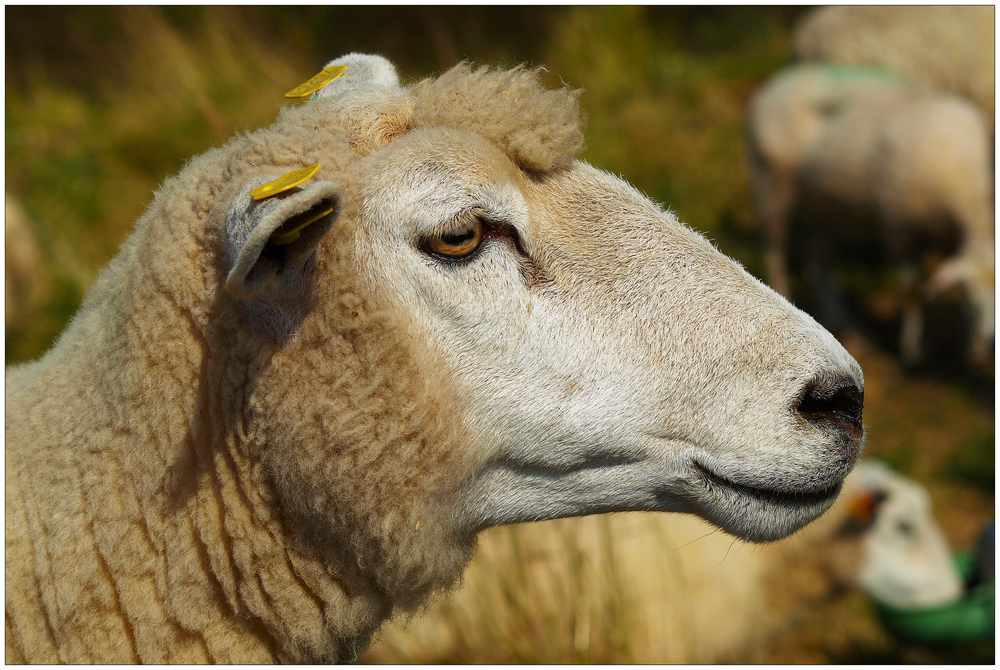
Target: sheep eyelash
{"type": "Point", "coordinates": [494, 227]}
{"type": "Point", "coordinates": [460, 221]}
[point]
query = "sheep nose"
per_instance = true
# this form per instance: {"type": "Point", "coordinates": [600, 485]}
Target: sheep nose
{"type": "Point", "coordinates": [834, 402]}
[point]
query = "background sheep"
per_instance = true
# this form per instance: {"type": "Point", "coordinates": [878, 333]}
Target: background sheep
{"type": "Point", "coordinates": [280, 417]}
{"type": "Point", "coordinates": [666, 579]}
{"type": "Point", "coordinates": [949, 47]}
{"type": "Point", "coordinates": [905, 561]}
{"type": "Point", "coordinates": [855, 154]}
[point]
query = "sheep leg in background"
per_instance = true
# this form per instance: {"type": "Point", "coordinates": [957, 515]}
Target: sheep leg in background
{"type": "Point", "coordinates": [971, 271]}
{"type": "Point", "coordinates": [775, 196]}
{"type": "Point", "coordinates": [818, 272]}
{"type": "Point", "coordinates": [911, 332]}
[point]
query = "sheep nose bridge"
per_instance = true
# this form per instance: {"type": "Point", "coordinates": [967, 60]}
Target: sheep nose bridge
{"type": "Point", "coordinates": [833, 401]}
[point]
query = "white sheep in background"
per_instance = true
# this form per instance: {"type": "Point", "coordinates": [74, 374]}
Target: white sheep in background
{"type": "Point", "coordinates": [905, 560]}
{"type": "Point", "coordinates": [951, 47]}
{"type": "Point", "coordinates": [276, 422]}
{"type": "Point", "coordinates": [674, 589]}
{"type": "Point", "coordinates": [858, 155]}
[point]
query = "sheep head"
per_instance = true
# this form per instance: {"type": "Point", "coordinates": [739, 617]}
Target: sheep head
{"type": "Point", "coordinates": [902, 559]}
{"type": "Point", "coordinates": [973, 272]}
{"type": "Point", "coordinates": [484, 330]}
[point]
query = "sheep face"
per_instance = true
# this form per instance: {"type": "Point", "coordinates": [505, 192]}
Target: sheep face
{"type": "Point", "coordinates": [904, 558]}
{"type": "Point", "coordinates": [605, 357]}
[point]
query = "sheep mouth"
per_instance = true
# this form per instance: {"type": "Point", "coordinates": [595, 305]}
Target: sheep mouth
{"type": "Point", "coordinates": [711, 479]}
{"type": "Point", "coordinates": [759, 514]}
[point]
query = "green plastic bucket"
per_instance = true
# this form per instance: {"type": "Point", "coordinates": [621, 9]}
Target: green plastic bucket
{"type": "Point", "coordinates": [967, 620]}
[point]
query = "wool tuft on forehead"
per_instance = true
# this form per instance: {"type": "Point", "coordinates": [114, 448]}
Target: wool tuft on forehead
{"type": "Point", "coordinates": [540, 129]}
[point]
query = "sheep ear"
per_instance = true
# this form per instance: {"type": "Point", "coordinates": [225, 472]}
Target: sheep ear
{"type": "Point", "coordinates": [363, 72]}
{"type": "Point", "coordinates": [372, 106]}
{"type": "Point", "coordinates": [272, 240]}
{"type": "Point", "coordinates": [861, 512]}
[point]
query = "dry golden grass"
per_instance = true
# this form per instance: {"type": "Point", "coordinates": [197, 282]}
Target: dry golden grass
{"type": "Point", "coordinates": [624, 588]}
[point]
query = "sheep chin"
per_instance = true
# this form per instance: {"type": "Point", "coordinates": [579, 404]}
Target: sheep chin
{"type": "Point", "coordinates": [754, 514]}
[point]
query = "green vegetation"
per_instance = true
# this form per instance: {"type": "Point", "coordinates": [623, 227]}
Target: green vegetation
{"type": "Point", "coordinates": [975, 462]}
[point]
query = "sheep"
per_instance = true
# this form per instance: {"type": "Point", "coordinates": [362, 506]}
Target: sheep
{"type": "Point", "coordinates": [288, 406]}
{"type": "Point", "coordinates": [949, 47]}
{"type": "Point", "coordinates": [680, 592]}
{"type": "Point", "coordinates": [906, 562]}
{"type": "Point", "coordinates": [858, 154]}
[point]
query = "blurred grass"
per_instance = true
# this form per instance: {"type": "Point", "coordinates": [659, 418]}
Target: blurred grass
{"type": "Point", "coordinates": [666, 107]}
{"type": "Point", "coordinates": [102, 103]}
{"type": "Point", "coordinates": [974, 463]}
{"type": "Point", "coordinates": [96, 121]}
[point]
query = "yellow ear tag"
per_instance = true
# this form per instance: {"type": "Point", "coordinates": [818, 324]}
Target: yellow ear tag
{"type": "Point", "coordinates": [325, 76]}
{"type": "Point", "coordinates": [284, 182]}
{"type": "Point", "coordinates": [289, 236]}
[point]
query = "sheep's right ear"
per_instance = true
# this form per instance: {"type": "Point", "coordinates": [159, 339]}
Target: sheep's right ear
{"type": "Point", "coordinates": [861, 513]}
{"type": "Point", "coordinates": [272, 240]}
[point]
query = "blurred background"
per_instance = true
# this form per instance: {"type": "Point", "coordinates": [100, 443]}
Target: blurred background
{"type": "Point", "coordinates": [103, 103]}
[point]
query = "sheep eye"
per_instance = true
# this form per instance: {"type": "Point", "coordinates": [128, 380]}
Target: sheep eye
{"type": "Point", "coordinates": [460, 242]}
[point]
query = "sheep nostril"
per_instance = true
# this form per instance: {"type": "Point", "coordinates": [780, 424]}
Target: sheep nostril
{"type": "Point", "coordinates": [837, 403]}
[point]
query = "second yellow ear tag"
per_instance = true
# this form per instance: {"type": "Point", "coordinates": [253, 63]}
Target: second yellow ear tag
{"type": "Point", "coordinates": [325, 76]}
{"type": "Point", "coordinates": [284, 182]}
{"type": "Point", "coordinates": [292, 234]}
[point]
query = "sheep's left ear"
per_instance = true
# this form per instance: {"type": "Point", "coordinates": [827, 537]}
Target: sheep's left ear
{"type": "Point", "coordinates": [364, 72]}
{"type": "Point", "coordinates": [272, 240]}
{"type": "Point", "coordinates": [369, 101]}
